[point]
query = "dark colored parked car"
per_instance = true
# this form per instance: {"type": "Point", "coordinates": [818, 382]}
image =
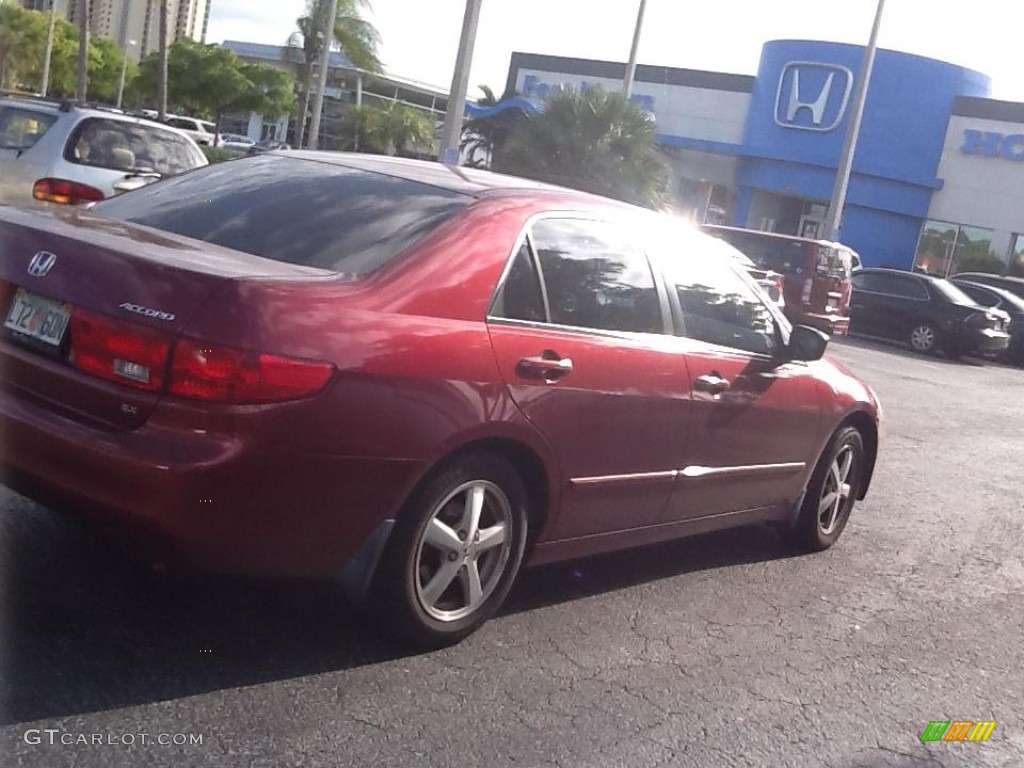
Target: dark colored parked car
{"type": "Point", "coordinates": [1011, 304]}
{"type": "Point", "coordinates": [411, 376]}
{"type": "Point", "coordinates": [1014, 285]}
{"type": "Point", "coordinates": [816, 273]}
{"type": "Point", "coordinates": [929, 313]}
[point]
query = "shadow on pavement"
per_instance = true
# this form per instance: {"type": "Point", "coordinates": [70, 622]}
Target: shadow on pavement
{"type": "Point", "coordinates": [900, 350]}
{"type": "Point", "coordinates": [563, 582]}
{"type": "Point", "coordinates": [85, 630]}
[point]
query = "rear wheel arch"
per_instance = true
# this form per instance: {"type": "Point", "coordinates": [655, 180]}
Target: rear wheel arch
{"type": "Point", "coordinates": [527, 463]}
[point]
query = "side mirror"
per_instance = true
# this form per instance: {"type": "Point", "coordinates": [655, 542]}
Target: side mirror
{"type": "Point", "coordinates": [806, 343]}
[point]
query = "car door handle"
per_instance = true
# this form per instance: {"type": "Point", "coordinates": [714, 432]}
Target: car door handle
{"type": "Point", "coordinates": [712, 383]}
{"type": "Point", "coordinates": [549, 366]}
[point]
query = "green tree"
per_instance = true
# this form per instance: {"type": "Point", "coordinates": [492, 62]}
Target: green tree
{"type": "Point", "coordinates": [23, 45]}
{"type": "Point", "coordinates": [22, 41]}
{"type": "Point", "coordinates": [591, 140]}
{"type": "Point", "coordinates": [356, 37]}
{"type": "Point", "coordinates": [483, 136]}
{"type": "Point", "coordinates": [394, 129]}
{"type": "Point", "coordinates": [210, 81]}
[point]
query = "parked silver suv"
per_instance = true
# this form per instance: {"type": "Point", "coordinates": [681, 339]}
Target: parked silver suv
{"type": "Point", "coordinates": [63, 153]}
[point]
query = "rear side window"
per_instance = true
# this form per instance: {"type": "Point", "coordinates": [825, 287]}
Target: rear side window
{"type": "Point", "coordinates": [124, 146]}
{"type": "Point", "coordinates": [22, 128]}
{"type": "Point", "coordinates": [520, 297]}
{"type": "Point", "coordinates": [296, 211]}
{"type": "Point", "coordinates": [833, 262]}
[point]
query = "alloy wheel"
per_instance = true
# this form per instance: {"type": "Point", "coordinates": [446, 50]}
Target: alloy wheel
{"type": "Point", "coordinates": [922, 338]}
{"type": "Point", "coordinates": [835, 492]}
{"type": "Point", "coordinates": [463, 550]}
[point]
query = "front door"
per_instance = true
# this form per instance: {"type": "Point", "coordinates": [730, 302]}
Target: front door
{"type": "Point", "coordinates": [579, 332]}
{"type": "Point", "coordinates": [754, 419]}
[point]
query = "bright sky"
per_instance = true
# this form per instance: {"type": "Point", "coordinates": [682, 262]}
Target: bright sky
{"type": "Point", "coordinates": [420, 38]}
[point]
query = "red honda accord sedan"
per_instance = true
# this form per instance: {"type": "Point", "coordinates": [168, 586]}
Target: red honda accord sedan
{"type": "Point", "coordinates": [413, 377]}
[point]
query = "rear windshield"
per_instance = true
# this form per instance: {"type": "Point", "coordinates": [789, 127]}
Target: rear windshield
{"type": "Point", "coordinates": [292, 210]}
{"type": "Point", "coordinates": [834, 262]}
{"type": "Point", "coordinates": [951, 292]}
{"type": "Point", "coordinates": [22, 128]}
{"type": "Point", "coordinates": [120, 145]}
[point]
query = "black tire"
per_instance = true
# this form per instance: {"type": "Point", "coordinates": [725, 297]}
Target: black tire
{"type": "Point", "coordinates": [815, 529]}
{"type": "Point", "coordinates": [403, 597]}
{"type": "Point", "coordinates": [924, 338]}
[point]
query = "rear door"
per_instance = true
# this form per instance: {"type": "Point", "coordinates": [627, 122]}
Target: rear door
{"type": "Point", "coordinates": [754, 418]}
{"type": "Point", "coordinates": [579, 332]}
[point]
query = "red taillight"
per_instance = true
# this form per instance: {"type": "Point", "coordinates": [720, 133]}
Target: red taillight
{"type": "Point", "coordinates": [116, 351]}
{"type": "Point", "coordinates": [65, 192]}
{"type": "Point", "coordinates": [220, 374]}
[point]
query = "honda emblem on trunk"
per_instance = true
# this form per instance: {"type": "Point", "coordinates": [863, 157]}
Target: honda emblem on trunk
{"type": "Point", "coordinates": [41, 264]}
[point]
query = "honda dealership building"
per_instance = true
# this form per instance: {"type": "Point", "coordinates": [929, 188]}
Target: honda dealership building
{"type": "Point", "coordinates": [938, 177]}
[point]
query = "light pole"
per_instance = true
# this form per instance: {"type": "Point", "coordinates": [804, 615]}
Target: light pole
{"type": "Point", "coordinates": [124, 71]}
{"type": "Point", "coordinates": [835, 211]}
{"type": "Point", "coordinates": [627, 86]}
{"type": "Point", "coordinates": [84, 14]}
{"type": "Point", "coordinates": [451, 133]}
{"type": "Point", "coordinates": [48, 55]}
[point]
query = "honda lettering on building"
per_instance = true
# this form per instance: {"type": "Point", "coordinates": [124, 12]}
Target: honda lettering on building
{"type": "Point", "coordinates": [812, 96]}
{"type": "Point", "coordinates": [537, 91]}
{"type": "Point", "coordinates": [991, 144]}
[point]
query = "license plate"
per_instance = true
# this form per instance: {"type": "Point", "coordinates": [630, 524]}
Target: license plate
{"type": "Point", "coordinates": [38, 318]}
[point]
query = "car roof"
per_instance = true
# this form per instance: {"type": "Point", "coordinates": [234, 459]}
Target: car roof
{"type": "Point", "coordinates": [904, 272]}
{"type": "Point", "coordinates": [468, 181]}
{"type": "Point", "coordinates": [52, 107]}
{"type": "Point", "coordinates": [989, 276]}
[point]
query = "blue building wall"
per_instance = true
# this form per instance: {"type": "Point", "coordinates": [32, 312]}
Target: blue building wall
{"type": "Point", "coordinates": [894, 172]}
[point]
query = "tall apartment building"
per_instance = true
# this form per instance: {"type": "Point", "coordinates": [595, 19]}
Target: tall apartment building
{"type": "Point", "coordinates": [139, 20]}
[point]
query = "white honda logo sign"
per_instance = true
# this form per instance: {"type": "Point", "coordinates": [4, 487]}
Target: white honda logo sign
{"type": "Point", "coordinates": [41, 264]}
{"type": "Point", "coordinates": [812, 96]}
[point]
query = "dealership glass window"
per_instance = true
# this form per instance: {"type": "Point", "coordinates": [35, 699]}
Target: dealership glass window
{"type": "Point", "coordinates": [946, 249]}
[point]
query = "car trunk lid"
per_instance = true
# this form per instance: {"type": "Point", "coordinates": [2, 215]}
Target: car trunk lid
{"type": "Point", "coordinates": [91, 308]}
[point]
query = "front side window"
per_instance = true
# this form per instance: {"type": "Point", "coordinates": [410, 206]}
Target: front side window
{"type": "Point", "coordinates": [720, 307]}
{"type": "Point", "coordinates": [125, 146]}
{"type": "Point", "coordinates": [22, 128]}
{"type": "Point", "coordinates": [594, 278]}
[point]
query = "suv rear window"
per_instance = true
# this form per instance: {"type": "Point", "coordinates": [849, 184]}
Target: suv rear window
{"type": "Point", "coordinates": [121, 145]}
{"type": "Point", "coordinates": [22, 128]}
{"type": "Point", "coordinates": [774, 253]}
{"type": "Point", "coordinates": [297, 211]}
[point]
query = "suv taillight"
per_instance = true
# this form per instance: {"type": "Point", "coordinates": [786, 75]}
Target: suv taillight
{"type": "Point", "coordinates": [65, 192]}
{"type": "Point", "coordinates": [217, 374]}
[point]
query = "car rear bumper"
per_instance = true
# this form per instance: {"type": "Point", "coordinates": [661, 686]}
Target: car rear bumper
{"type": "Point", "coordinates": [983, 342]}
{"type": "Point", "coordinates": [227, 503]}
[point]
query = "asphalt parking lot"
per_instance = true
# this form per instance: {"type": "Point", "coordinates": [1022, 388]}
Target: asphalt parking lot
{"type": "Point", "coordinates": [725, 650]}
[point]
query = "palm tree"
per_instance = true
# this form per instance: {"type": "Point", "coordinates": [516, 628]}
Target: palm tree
{"type": "Point", "coordinates": [483, 136]}
{"type": "Point", "coordinates": [592, 140]}
{"type": "Point", "coordinates": [356, 37]}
